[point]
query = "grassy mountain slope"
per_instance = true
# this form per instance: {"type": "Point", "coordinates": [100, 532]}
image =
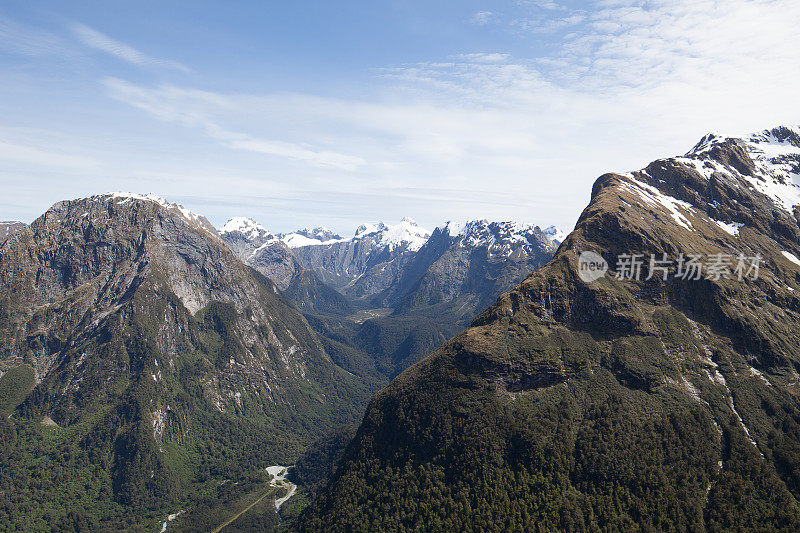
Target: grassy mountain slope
{"type": "Point", "coordinates": [613, 405]}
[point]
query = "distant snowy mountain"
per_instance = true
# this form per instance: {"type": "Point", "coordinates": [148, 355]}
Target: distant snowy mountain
{"type": "Point", "coordinates": [249, 228]}
{"type": "Point", "coordinates": [407, 234]}
{"type": "Point", "coordinates": [270, 255]}
{"type": "Point", "coordinates": [261, 249]}
{"type": "Point", "coordinates": [471, 262]}
{"type": "Point", "coordinates": [557, 235]}
{"type": "Point", "coordinates": [365, 264]}
{"type": "Point", "coordinates": [310, 237]}
{"type": "Point", "coordinates": [501, 238]}
{"type": "Point", "coordinates": [383, 265]}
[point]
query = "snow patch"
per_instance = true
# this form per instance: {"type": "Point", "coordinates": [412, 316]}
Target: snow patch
{"type": "Point", "coordinates": [731, 228]}
{"type": "Point", "coordinates": [248, 227]}
{"type": "Point", "coordinates": [171, 518]}
{"type": "Point", "coordinates": [406, 233]}
{"type": "Point", "coordinates": [655, 198]}
{"type": "Point", "coordinates": [192, 217]}
{"type": "Point", "coordinates": [557, 235]}
{"type": "Point", "coordinates": [754, 372]}
{"type": "Point", "coordinates": [776, 155]}
{"type": "Point", "coordinates": [791, 257]}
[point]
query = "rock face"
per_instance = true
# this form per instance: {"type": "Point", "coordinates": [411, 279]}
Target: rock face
{"type": "Point", "coordinates": [146, 333]}
{"type": "Point", "coordinates": [10, 228]}
{"type": "Point", "coordinates": [619, 403]}
{"type": "Point", "coordinates": [474, 263]}
{"type": "Point", "coordinates": [272, 257]}
{"type": "Point", "coordinates": [368, 263]}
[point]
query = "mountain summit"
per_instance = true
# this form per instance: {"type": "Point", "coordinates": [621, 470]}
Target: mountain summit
{"type": "Point", "coordinates": [651, 397]}
{"type": "Point", "coordinates": [158, 362]}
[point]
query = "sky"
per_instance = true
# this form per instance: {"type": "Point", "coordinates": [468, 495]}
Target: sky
{"type": "Point", "coordinates": [300, 114]}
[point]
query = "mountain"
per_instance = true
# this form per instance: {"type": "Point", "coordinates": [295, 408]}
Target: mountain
{"type": "Point", "coordinates": [9, 228]}
{"type": "Point", "coordinates": [436, 291]}
{"type": "Point", "coordinates": [367, 263]}
{"type": "Point", "coordinates": [470, 263]}
{"type": "Point", "coordinates": [555, 234]}
{"type": "Point", "coordinates": [143, 365]}
{"type": "Point", "coordinates": [259, 248]}
{"type": "Point", "coordinates": [411, 292]}
{"type": "Point", "coordinates": [271, 256]}
{"type": "Point", "coordinates": [590, 398]}
{"type": "Point", "coordinates": [311, 237]}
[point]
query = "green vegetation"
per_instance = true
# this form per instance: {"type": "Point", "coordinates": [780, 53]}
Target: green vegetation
{"type": "Point", "coordinates": [318, 463]}
{"type": "Point", "coordinates": [14, 387]}
{"type": "Point", "coordinates": [110, 467]}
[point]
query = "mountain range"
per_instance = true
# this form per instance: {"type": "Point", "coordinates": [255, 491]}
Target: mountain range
{"type": "Point", "coordinates": [640, 373]}
{"type": "Point", "coordinates": [390, 294]}
{"type": "Point", "coordinates": [151, 357]}
{"type": "Point", "coordinates": [664, 401]}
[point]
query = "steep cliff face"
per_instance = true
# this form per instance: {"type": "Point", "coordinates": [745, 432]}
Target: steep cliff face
{"type": "Point", "coordinates": [9, 228]}
{"type": "Point", "coordinates": [623, 401]}
{"type": "Point", "coordinates": [471, 263]}
{"type": "Point", "coordinates": [272, 257]}
{"type": "Point", "coordinates": [368, 263]}
{"type": "Point", "coordinates": [146, 335]}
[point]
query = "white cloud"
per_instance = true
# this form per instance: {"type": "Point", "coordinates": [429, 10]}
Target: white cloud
{"type": "Point", "coordinates": [198, 109]}
{"type": "Point", "coordinates": [628, 85]}
{"type": "Point", "coordinates": [11, 152]}
{"type": "Point", "coordinates": [490, 134]}
{"type": "Point", "coordinates": [484, 57]}
{"type": "Point", "coordinates": [25, 40]}
{"type": "Point", "coordinates": [544, 4]}
{"type": "Point", "coordinates": [104, 43]}
{"type": "Point", "coordinates": [323, 158]}
{"type": "Point", "coordinates": [482, 18]}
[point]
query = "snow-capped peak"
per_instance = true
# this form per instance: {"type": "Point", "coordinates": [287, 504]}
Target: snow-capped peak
{"type": "Point", "coordinates": [248, 227]}
{"type": "Point", "coordinates": [194, 218]}
{"type": "Point", "coordinates": [406, 232]}
{"type": "Point", "coordinates": [504, 236]}
{"type": "Point", "coordinates": [776, 154]}
{"type": "Point", "coordinates": [296, 240]}
{"type": "Point", "coordinates": [311, 237]}
{"type": "Point", "coordinates": [320, 233]}
{"type": "Point", "coordinates": [557, 235]}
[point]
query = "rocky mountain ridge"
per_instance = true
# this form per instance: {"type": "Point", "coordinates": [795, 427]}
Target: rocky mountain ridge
{"type": "Point", "coordinates": [619, 402]}
{"type": "Point", "coordinates": [153, 347]}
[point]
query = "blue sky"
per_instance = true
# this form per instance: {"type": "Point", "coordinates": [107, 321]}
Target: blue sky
{"type": "Point", "coordinates": [323, 113]}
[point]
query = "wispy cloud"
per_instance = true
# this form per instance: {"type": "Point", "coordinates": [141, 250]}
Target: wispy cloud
{"type": "Point", "coordinates": [26, 40]}
{"type": "Point", "coordinates": [11, 152]}
{"type": "Point", "coordinates": [104, 43]}
{"type": "Point", "coordinates": [197, 109]}
{"type": "Point", "coordinates": [617, 84]}
{"type": "Point", "coordinates": [482, 18]}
